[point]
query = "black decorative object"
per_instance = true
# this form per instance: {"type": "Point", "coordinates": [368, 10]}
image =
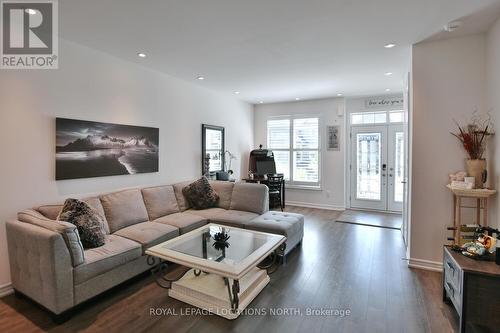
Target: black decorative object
{"type": "Point", "coordinates": [91, 149]}
{"type": "Point", "coordinates": [221, 240]}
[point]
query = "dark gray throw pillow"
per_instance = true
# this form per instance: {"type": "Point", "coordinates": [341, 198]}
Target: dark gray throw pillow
{"type": "Point", "coordinates": [89, 222]}
{"type": "Point", "coordinates": [200, 194]}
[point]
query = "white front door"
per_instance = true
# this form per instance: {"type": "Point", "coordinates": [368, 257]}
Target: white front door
{"type": "Point", "coordinates": [377, 167]}
{"type": "Point", "coordinates": [395, 164]}
{"type": "Point", "coordinates": [368, 167]}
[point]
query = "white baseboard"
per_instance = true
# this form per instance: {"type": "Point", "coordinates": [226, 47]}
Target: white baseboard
{"type": "Point", "coordinates": [313, 205]}
{"type": "Point", "coordinates": [429, 265]}
{"type": "Point", "coordinates": [6, 289]}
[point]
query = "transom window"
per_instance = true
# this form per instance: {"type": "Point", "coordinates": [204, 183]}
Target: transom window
{"type": "Point", "coordinates": [296, 147]}
{"type": "Point", "coordinates": [376, 117]}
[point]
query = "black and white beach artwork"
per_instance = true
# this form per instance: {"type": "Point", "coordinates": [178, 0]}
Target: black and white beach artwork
{"type": "Point", "coordinates": [90, 149]}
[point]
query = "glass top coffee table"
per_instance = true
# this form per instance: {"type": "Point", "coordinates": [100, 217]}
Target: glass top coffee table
{"type": "Point", "coordinates": [225, 274]}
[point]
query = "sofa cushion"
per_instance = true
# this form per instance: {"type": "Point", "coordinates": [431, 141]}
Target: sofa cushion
{"type": "Point", "coordinates": [148, 233]}
{"type": "Point", "coordinates": [250, 198]}
{"type": "Point", "coordinates": [290, 225]}
{"type": "Point", "coordinates": [160, 201]}
{"type": "Point", "coordinates": [181, 200]}
{"type": "Point", "coordinates": [89, 222]}
{"type": "Point", "coordinates": [225, 191]}
{"type": "Point", "coordinates": [184, 221]}
{"type": "Point", "coordinates": [200, 194]}
{"type": "Point", "coordinates": [210, 213]}
{"type": "Point", "coordinates": [115, 252]}
{"type": "Point", "coordinates": [50, 211]}
{"type": "Point", "coordinates": [235, 218]}
{"type": "Point", "coordinates": [68, 231]}
{"type": "Point", "coordinates": [124, 208]}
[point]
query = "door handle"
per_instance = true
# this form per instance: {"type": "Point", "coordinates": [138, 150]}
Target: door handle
{"type": "Point", "coordinates": [404, 182]}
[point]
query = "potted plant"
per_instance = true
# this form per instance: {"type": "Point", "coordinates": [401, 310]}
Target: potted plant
{"type": "Point", "coordinates": [473, 137]}
{"type": "Point", "coordinates": [225, 175]}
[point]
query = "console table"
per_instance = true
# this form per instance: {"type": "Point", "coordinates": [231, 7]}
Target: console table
{"type": "Point", "coordinates": [473, 288]}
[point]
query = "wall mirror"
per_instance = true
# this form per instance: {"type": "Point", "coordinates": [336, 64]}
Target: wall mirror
{"type": "Point", "coordinates": [212, 144]}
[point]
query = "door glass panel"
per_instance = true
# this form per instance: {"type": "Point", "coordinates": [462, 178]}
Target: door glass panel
{"type": "Point", "coordinates": [398, 166]}
{"type": "Point", "coordinates": [368, 175]}
{"type": "Point", "coordinates": [378, 117]}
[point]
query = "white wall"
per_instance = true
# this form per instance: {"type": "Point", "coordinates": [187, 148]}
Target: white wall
{"type": "Point", "coordinates": [449, 82]}
{"type": "Point", "coordinates": [331, 195]}
{"type": "Point", "coordinates": [493, 104]}
{"type": "Point", "coordinates": [95, 86]}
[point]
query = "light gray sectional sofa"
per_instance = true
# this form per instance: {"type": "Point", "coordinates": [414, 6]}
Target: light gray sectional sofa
{"type": "Point", "coordinates": [49, 264]}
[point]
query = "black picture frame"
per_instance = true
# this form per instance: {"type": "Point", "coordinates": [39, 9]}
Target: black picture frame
{"type": "Point", "coordinates": [204, 128]}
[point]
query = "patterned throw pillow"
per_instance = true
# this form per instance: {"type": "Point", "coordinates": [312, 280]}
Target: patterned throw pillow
{"type": "Point", "coordinates": [200, 194]}
{"type": "Point", "coordinates": [89, 222]}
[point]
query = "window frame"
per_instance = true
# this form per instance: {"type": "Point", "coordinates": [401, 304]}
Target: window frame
{"type": "Point", "coordinates": [291, 183]}
{"type": "Point", "coordinates": [387, 114]}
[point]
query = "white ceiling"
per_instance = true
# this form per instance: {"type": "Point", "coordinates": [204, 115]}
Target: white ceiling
{"type": "Point", "coordinates": [269, 50]}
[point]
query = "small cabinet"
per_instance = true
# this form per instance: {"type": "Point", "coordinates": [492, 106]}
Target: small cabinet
{"type": "Point", "coordinates": [473, 288]}
{"type": "Point", "coordinates": [452, 281]}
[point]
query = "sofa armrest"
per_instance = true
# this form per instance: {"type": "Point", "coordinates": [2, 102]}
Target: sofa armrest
{"type": "Point", "coordinates": [250, 197]}
{"type": "Point", "coordinates": [40, 265]}
{"type": "Point", "coordinates": [68, 231]}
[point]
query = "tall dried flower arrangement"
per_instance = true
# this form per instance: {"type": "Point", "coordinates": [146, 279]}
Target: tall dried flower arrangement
{"type": "Point", "coordinates": [474, 135]}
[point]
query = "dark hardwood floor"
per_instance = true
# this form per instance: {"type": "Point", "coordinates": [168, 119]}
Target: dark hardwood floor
{"type": "Point", "coordinates": [339, 267]}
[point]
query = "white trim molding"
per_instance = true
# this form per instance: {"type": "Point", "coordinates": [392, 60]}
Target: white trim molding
{"type": "Point", "coordinates": [6, 289]}
{"type": "Point", "coordinates": [429, 265]}
{"type": "Point", "coordinates": [313, 205]}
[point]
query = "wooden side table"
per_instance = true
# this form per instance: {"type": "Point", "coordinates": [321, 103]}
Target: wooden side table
{"type": "Point", "coordinates": [480, 196]}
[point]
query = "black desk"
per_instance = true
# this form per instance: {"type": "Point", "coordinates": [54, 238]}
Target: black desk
{"type": "Point", "coordinates": [263, 180]}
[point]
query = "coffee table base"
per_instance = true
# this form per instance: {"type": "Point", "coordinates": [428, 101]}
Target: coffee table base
{"type": "Point", "coordinates": [209, 291]}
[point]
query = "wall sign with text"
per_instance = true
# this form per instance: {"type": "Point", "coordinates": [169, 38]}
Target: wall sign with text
{"type": "Point", "coordinates": [380, 102]}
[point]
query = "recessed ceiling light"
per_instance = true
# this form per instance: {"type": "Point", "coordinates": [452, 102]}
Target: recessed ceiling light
{"type": "Point", "coordinates": [339, 95]}
{"type": "Point", "coordinates": [261, 102]}
{"type": "Point", "coordinates": [237, 92]}
{"type": "Point", "coordinates": [297, 98]}
{"type": "Point", "coordinates": [389, 46]}
{"type": "Point", "coordinates": [388, 89]}
{"type": "Point", "coordinates": [388, 73]}
{"type": "Point", "coordinates": [141, 55]}
{"type": "Point", "coordinates": [31, 11]}
{"type": "Point", "coordinates": [201, 78]}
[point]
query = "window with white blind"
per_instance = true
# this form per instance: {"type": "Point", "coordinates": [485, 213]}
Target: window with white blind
{"type": "Point", "coordinates": [296, 147]}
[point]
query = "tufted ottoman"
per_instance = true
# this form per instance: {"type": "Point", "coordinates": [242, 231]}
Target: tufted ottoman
{"type": "Point", "coordinates": [290, 225]}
